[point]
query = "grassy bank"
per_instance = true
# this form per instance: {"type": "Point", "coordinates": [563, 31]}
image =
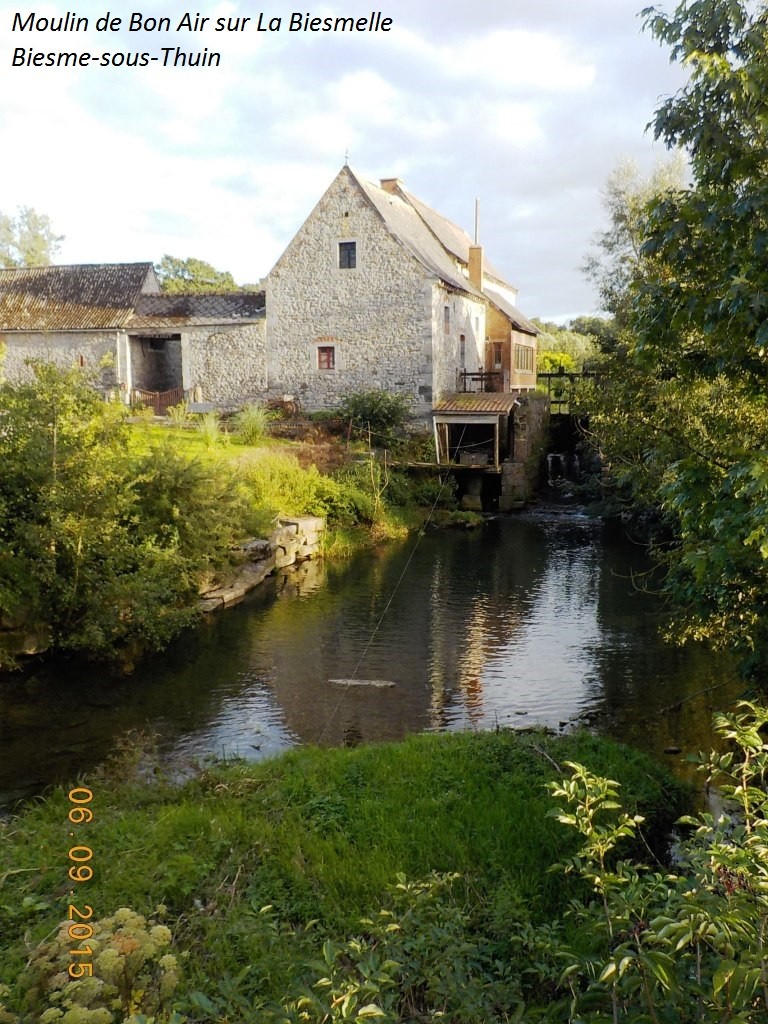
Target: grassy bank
{"type": "Point", "coordinates": [318, 836]}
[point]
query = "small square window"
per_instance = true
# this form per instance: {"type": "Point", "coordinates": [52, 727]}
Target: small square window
{"type": "Point", "coordinates": [347, 255]}
{"type": "Point", "coordinates": [326, 357]}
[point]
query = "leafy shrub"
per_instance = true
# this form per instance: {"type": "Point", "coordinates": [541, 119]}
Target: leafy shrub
{"type": "Point", "coordinates": [416, 960]}
{"type": "Point", "coordinates": [693, 942]}
{"type": "Point", "coordinates": [383, 413]}
{"type": "Point", "coordinates": [102, 547]}
{"type": "Point", "coordinates": [553, 362]}
{"type": "Point", "coordinates": [280, 486]}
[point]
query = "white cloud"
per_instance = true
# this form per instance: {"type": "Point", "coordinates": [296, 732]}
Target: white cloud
{"type": "Point", "coordinates": [526, 105]}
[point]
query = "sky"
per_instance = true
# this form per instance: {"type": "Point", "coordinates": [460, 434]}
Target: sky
{"type": "Point", "coordinates": [526, 105]}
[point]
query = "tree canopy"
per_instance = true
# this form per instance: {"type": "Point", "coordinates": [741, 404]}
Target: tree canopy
{"type": "Point", "coordinates": [566, 346]}
{"type": "Point", "coordinates": [193, 275]}
{"type": "Point", "coordinates": [683, 420]}
{"type": "Point", "coordinates": [27, 239]}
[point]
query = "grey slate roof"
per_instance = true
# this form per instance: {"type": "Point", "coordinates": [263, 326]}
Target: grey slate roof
{"type": "Point", "coordinates": [454, 238]}
{"type": "Point", "coordinates": [406, 224]}
{"type": "Point", "coordinates": [436, 242]}
{"type": "Point", "coordinates": [168, 311]}
{"type": "Point", "coordinates": [81, 297]}
{"type": "Point", "coordinates": [519, 321]}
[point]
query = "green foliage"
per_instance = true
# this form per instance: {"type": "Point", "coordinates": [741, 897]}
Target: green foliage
{"type": "Point", "coordinates": [688, 946]}
{"type": "Point", "coordinates": [209, 428]}
{"type": "Point", "coordinates": [681, 417]}
{"type": "Point", "coordinates": [27, 240]}
{"type": "Point", "coordinates": [554, 362]}
{"type": "Point", "coordinates": [192, 275]}
{"type": "Point", "coordinates": [132, 973]}
{"type": "Point", "coordinates": [563, 345]}
{"type": "Point", "coordinates": [600, 328]}
{"type": "Point", "coordinates": [252, 422]}
{"type": "Point", "coordinates": [381, 413]}
{"type": "Point", "coordinates": [179, 415]}
{"type": "Point", "coordinates": [416, 960]}
{"type": "Point", "coordinates": [280, 486]}
{"type": "Point", "coordinates": [618, 258]}
{"type": "Point", "coordinates": [318, 835]}
{"type": "Point", "coordinates": [103, 547]}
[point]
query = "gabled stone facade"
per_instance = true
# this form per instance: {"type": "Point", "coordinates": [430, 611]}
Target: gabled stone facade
{"type": "Point", "coordinates": [408, 316]}
{"type": "Point", "coordinates": [334, 329]}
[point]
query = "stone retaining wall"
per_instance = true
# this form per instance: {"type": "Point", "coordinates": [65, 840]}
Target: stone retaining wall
{"type": "Point", "coordinates": [293, 541]}
{"type": "Point", "coordinates": [520, 474]}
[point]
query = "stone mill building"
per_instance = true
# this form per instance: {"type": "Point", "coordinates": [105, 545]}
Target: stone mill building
{"type": "Point", "coordinates": [375, 290]}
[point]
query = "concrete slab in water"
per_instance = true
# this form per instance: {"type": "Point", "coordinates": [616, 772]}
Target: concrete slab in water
{"type": "Point", "coordinates": [376, 684]}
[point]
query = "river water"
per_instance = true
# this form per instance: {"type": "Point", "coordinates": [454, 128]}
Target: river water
{"type": "Point", "coordinates": [538, 619]}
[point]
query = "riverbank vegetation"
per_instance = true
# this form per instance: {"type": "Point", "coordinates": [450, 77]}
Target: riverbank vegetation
{"type": "Point", "coordinates": [109, 529]}
{"type": "Point", "coordinates": [262, 873]}
{"type": "Point", "coordinates": [680, 415]}
{"type": "Point", "coordinates": [430, 880]}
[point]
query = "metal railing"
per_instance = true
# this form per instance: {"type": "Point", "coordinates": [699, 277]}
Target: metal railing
{"type": "Point", "coordinates": [481, 380]}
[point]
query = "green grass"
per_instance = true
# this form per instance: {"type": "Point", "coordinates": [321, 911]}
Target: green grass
{"type": "Point", "coordinates": [318, 834]}
{"type": "Point", "coordinates": [189, 441]}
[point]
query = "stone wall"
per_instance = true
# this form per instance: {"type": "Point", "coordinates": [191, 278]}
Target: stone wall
{"type": "Point", "coordinates": [521, 473]}
{"type": "Point", "coordinates": [63, 348]}
{"type": "Point", "coordinates": [376, 317]}
{"type": "Point", "coordinates": [466, 319]}
{"type": "Point", "coordinates": [294, 540]}
{"type": "Point", "coordinates": [227, 363]}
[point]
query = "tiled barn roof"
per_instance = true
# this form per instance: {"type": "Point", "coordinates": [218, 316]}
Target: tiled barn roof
{"type": "Point", "coordinates": [82, 297]}
{"type": "Point", "coordinates": [168, 311]}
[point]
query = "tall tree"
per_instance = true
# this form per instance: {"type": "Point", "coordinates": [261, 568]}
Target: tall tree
{"type": "Point", "coordinates": [617, 260]}
{"type": "Point", "coordinates": [193, 275]}
{"type": "Point", "coordinates": [685, 418]}
{"type": "Point", "coordinates": [27, 239]}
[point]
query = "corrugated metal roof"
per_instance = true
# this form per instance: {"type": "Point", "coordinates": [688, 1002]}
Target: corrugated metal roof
{"type": "Point", "coordinates": [167, 311]}
{"type": "Point", "coordinates": [480, 403]}
{"type": "Point", "coordinates": [512, 312]}
{"type": "Point", "coordinates": [83, 297]}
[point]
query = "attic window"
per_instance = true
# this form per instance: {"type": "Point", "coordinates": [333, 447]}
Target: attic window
{"type": "Point", "coordinates": [347, 255]}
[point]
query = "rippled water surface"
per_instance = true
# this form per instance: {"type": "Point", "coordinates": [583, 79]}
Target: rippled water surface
{"type": "Point", "coordinates": [537, 619]}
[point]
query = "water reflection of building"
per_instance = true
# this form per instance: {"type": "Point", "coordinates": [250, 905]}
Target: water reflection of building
{"type": "Point", "coordinates": [459, 601]}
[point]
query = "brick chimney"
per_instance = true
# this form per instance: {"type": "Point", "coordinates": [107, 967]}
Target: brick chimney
{"type": "Point", "coordinates": [475, 266]}
{"type": "Point", "coordinates": [391, 185]}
